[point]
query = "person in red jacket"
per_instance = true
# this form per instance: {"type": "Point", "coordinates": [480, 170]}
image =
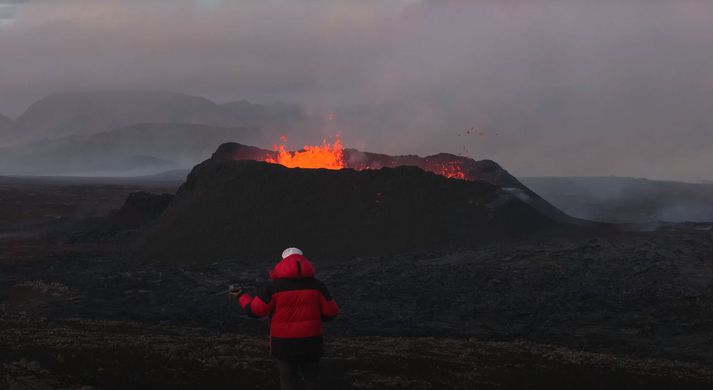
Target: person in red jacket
{"type": "Point", "coordinates": [297, 304]}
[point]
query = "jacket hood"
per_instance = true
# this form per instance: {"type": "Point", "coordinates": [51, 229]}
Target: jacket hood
{"type": "Point", "coordinates": [293, 267]}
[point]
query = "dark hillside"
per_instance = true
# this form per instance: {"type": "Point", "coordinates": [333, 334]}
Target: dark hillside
{"type": "Point", "coordinates": [229, 209]}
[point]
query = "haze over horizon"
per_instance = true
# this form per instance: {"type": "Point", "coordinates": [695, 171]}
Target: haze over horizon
{"type": "Point", "coordinates": [551, 88]}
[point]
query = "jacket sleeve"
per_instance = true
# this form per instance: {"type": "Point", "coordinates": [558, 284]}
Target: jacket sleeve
{"type": "Point", "coordinates": [329, 308]}
{"type": "Point", "coordinates": [260, 305]}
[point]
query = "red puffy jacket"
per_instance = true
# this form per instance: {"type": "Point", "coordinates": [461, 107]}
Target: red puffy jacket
{"type": "Point", "coordinates": [297, 303]}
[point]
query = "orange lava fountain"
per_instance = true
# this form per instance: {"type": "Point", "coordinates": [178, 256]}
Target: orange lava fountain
{"type": "Point", "coordinates": [329, 156]}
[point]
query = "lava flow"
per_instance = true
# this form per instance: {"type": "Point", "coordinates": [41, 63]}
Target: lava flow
{"type": "Point", "coordinates": [319, 156]}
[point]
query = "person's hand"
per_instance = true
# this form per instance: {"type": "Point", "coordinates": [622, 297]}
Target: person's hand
{"type": "Point", "coordinates": [234, 291]}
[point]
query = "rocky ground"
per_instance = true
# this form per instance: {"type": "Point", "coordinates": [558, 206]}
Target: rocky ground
{"type": "Point", "coordinates": [85, 354]}
{"type": "Point", "coordinates": [604, 310]}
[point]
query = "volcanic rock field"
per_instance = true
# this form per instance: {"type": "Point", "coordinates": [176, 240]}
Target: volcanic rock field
{"type": "Point", "coordinates": [443, 283]}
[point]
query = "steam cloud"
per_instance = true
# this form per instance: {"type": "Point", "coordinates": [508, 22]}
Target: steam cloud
{"type": "Point", "coordinates": [551, 87]}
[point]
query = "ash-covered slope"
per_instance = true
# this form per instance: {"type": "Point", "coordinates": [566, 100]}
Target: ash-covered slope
{"type": "Point", "coordinates": [230, 209]}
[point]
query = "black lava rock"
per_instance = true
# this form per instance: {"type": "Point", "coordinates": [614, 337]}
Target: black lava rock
{"type": "Point", "coordinates": [230, 209]}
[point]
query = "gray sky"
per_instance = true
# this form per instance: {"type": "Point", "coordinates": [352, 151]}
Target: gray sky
{"type": "Point", "coordinates": [555, 87]}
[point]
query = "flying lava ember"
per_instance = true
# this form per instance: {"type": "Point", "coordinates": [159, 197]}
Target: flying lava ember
{"type": "Point", "coordinates": [334, 156]}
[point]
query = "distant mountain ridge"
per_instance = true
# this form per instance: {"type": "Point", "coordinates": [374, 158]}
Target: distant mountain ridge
{"type": "Point", "coordinates": [101, 132]}
{"type": "Point", "coordinates": [135, 150]}
{"type": "Point", "coordinates": [81, 113]}
{"type": "Point", "coordinates": [64, 114]}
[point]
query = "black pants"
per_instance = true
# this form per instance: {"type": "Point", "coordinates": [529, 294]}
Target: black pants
{"type": "Point", "coordinates": [297, 375]}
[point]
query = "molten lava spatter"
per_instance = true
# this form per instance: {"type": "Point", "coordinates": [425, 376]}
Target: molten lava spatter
{"type": "Point", "coordinates": [333, 156]}
{"type": "Point", "coordinates": [451, 170]}
{"type": "Point", "coordinates": [329, 156]}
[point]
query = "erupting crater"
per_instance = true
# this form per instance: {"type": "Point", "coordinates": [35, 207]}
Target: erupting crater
{"type": "Point", "coordinates": [335, 156]}
{"type": "Point", "coordinates": [244, 201]}
{"type": "Point", "coordinates": [328, 156]}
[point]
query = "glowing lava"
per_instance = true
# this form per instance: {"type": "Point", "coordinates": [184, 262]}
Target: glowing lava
{"type": "Point", "coordinates": [332, 156]}
{"type": "Point", "coordinates": [329, 156]}
{"type": "Point", "coordinates": [451, 170]}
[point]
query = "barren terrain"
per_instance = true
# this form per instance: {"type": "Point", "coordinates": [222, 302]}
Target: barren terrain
{"type": "Point", "coordinates": [80, 309]}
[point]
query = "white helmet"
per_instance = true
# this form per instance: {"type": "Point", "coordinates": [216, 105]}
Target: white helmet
{"type": "Point", "coordinates": [290, 251]}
